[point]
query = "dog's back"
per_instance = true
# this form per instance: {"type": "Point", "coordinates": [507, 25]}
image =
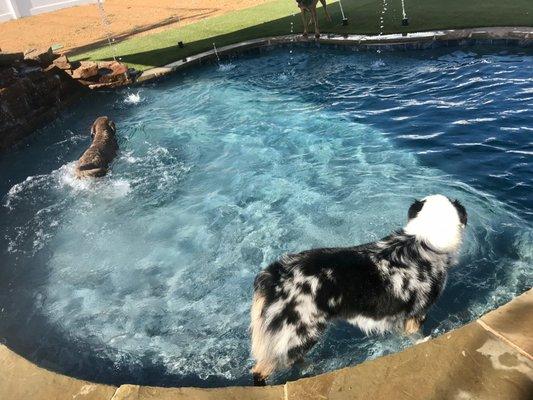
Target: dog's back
{"type": "Point", "coordinates": [96, 159]}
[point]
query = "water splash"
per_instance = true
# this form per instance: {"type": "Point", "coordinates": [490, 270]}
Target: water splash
{"type": "Point", "coordinates": [225, 67]}
{"type": "Point", "coordinates": [382, 21]}
{"type": "Point", "coordinates": [133, 98]}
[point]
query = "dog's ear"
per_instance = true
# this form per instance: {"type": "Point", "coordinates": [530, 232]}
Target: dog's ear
{"type": "Point", "coordinates": [415, 209]}
{"type": "Point", "coordinates": [463, 217]}
{"type": "Point", "coordinates": [112, 126]}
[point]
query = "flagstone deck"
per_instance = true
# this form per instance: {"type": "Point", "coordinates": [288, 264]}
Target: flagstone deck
{"type": "Point", "coordinates": [491, 358]}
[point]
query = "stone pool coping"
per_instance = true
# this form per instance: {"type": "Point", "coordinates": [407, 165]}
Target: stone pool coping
{"type": "Point", "coordinates": [490, 358]}
{"type": "Point", "coordinates": [449, 37]}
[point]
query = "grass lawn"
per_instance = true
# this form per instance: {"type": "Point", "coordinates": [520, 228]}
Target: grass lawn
{"type": "Point", "coordinates": [275, 18]}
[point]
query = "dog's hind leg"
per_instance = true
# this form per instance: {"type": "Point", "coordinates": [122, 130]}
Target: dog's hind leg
{"type": "Point", "coordinates": [261, 371]}
{"type": "Point", "coordinates": [261, 346]}
{"type": "Point", "coordinates": [325, 6]}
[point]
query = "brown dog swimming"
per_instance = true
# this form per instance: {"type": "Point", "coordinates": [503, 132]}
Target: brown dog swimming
{"type": "Point", "coordinates": [95, 161]}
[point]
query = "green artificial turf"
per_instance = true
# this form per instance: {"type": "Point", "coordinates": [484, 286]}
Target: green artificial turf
{"type": "Point", "coordinates": [275, 18]}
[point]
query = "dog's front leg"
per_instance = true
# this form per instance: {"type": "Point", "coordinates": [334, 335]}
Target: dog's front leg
{"type": "Point", "coordinates": [315, 21]}
{"type": "Point", "coordinates": [412, 325]}
{"type": "Point", "coordinates": [304, 20]}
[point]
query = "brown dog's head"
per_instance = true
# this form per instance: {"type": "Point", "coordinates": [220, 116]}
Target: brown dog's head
{"type": "Point", "coordinates": [103, 124]}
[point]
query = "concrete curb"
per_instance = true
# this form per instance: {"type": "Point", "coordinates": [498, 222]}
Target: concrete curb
{"type": "Point", "coordinates": [520, 35]}
{"type": "Point", "coordinates": [491, 358]}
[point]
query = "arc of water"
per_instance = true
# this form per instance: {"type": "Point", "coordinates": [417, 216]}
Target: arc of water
{"type": "Point", "coordinates": [403, 10]}
{"type": "Point", "coordinates": [105, 25]}
{"type": "Point", "coordinates": [342, 10]}
{"type": "Point", "coordinates": [216, 52]}
{"type": "Point", "coordinates": [382, 18]}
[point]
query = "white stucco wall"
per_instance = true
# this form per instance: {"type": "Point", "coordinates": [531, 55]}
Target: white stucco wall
{"type": "Point", "coordinates": [10, 9]}
{"type": "Point", "coordinates": [6, 12]}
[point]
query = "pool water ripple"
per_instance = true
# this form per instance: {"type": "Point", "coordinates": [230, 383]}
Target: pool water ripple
{"type": "Point", "coordinates": [145, 276]}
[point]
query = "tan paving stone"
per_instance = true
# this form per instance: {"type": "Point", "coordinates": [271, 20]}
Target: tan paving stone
{"type": "Point", "coordinates": [484, 360]}
{"type": "Point", "coordinates": [127, 392]}
{"type": "Point", "coordinates": [22, 380]}
{"type": "Point", "coordinates": [469, 363]}
{"type": "Point", "coordinates": [514, 321]}
{"type": "Point", "coordinates": [230, 393]}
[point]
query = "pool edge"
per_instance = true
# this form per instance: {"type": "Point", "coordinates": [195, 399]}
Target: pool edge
{"type": "Point", "coordinates": [491, 357]}
{"type": "Point", "coordinates": [523, 35]}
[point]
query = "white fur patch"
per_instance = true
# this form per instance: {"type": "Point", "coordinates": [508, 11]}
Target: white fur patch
{"type": "Point", "coordinates": [437, 224]}
{"type": "Point", "coordinates": [370, 325]}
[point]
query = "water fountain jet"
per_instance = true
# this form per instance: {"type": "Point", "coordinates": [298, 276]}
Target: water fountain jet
{"type": "Point", "coordinates": [344, 19]}
{"type": "Point", "coordinates": [216, 53]}
{"type": "Point", "coordinates": [405, 19]}
{"type": "Point", "coordinates": [107, 30]}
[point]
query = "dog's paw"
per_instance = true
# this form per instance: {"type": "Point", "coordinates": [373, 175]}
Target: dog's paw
{"type": "Point", "coordinates": [412, 326]}
{"type": "Point", "coordinates": [258, 380]}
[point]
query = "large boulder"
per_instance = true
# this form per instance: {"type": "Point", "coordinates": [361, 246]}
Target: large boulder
{"type": "Point", "coordinates": [8, 59]}
{"type": "Point", "coordinates": [86, 70]}
{"type": "Point", "coordinates": [29, 99]}
{"type": "Point", "coordinates": [63, 63]}
{"type": "Point", "coordinates": [113, 73]}
{"type": "Point", "coordinates": [43, 57]}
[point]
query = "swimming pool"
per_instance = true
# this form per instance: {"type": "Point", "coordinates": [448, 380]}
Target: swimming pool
{"type": "Point", "coordinates": [145, 276]}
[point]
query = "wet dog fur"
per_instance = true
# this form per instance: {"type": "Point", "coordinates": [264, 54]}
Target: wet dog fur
{"type": "Point", "coordinates": [387, 285]}
{"type": "Point", "coordinates": [95, 160]}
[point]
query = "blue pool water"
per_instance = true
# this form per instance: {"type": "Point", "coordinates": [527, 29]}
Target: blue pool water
{"type": "Point", "coordinates": [145, 276]}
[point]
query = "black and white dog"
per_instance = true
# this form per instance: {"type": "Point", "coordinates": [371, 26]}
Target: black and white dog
{"type": "Point", "coordinates": [381, 286]}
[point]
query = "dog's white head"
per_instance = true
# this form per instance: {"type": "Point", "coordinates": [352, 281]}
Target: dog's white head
{"type": "Point", "coordinates": [437, 221]}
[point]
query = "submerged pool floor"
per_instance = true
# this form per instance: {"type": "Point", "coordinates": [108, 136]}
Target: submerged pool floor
{"type": "Point", "coordinates": [145, 276]}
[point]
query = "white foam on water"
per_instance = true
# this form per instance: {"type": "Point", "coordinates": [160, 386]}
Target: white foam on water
{"type": "Point", "coordinates": [133, 98]}
{"type": "Point", "coordinates": [224, 67]}
{"type": "Point", "coordinates": [472, 121]}
{"type": "Point", "coordinates": [106, 187]}
{"type": "Point", "coordinates": [16, 190]}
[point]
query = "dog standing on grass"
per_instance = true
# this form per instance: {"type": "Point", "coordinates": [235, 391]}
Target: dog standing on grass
{"type": "Point", "coordinates": [309, 6]}
{"type": "Point", "coordinates": [96, 159]}
{"type": "Point", "coordinates": [381, 286]}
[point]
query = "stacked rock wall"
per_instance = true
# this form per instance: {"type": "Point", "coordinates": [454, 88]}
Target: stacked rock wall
{"type": "Point", "coordinates": [37, 85]}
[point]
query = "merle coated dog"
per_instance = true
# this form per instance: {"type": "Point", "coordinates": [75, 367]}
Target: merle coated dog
{"type": "Point", "coordinates": [96, 159]}
{"type": "Point", "coordinates": [309, 6]}
{"type": "Point", "coordinates": [381, 286]}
